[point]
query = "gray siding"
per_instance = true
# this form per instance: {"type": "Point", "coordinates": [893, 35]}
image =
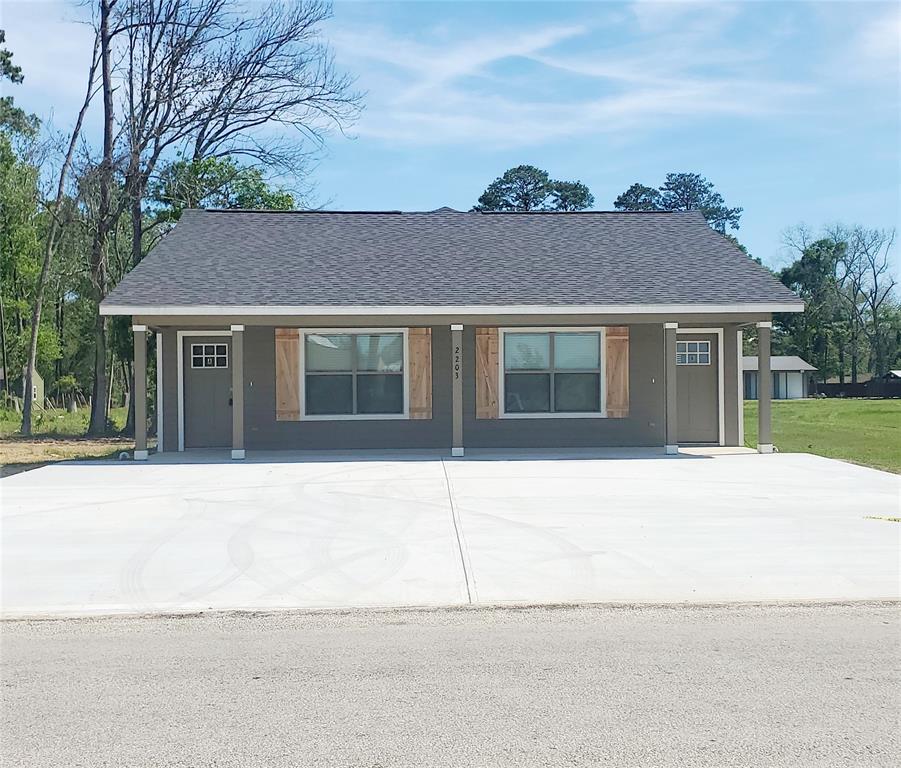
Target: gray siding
{"type": "Point", "coordinates": [643, 427]}
{"type": "Point", "coordinates": [262, 431]}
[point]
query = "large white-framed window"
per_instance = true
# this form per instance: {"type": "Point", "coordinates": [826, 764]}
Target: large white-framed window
{"type": "Point", "coordinates": [551, 373]}
{"type": "Point", "coordinates": [359, 373]}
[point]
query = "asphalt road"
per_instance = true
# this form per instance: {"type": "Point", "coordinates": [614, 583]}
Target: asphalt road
{"type": "Point", "coordinates": [681, 686]}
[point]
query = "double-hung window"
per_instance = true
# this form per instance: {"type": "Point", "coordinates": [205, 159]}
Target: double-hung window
{"type": "Point", "coordinates": [552, 372]}
{"type": "Point", "coordinates": [354, 374]}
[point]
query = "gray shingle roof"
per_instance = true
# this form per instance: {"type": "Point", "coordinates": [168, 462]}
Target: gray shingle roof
{"type": "Point", "coordinates": [444, 258]}
{"type": "Point", "coordinates": [778, 363]}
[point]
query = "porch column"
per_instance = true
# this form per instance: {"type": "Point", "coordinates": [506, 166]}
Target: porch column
{"type": "Point", "coordinates": [669, 376]}
{"type": "Point", "coordinates": [140, 392]}
{"type": "Point", "coordinates": [457, 388]}
{"type": "Point", "coordinates": [237, 391]}
{"type": "Point", "coordinates": [158, 401]}
{"type": "Point", "coordinates": [764, 389]}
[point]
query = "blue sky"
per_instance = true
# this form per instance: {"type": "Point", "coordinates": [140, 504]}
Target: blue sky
{"type": "Point", "coordinates": [791, 109]}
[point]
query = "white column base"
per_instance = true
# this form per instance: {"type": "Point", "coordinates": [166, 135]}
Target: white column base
{"type": "Point", "coordinates": [140, 456]}
{"type": "Point", "coordinates": [671, 450]}
{"type": "Point", "coordinates": [457, 452]}
{"type": "Point", "coordinates": [764, 448]}
{"type": "Point", "coordinates": [237, 453]}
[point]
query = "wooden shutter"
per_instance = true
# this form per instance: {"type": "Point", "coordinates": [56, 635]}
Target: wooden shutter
{"type": "Point", "coordinates": [617, 372]}
{"type": "Point", "coordinates": [486, 373]}
{"type": "Point", "coordinates": [420, 372]}
{"type": "Point", "coordinates": [287, 374]}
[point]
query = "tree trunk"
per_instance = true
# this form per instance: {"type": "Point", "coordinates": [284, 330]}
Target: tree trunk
{"type": "Point", "coordinates": [3, 344]}
{"type": "Point", "coordinates": [99, 402]}
{"type": "Point", "coordinates": [99, 410]}
{"type": "Point", "coordinates": [60, 301]}
{"type": "Point", "coordinates": [28, 384]}
{"type": "Point", "coordinates": [50, 243]}
{"type": "Point", "coordinates": [128, 372]}
{"type": "Point", "coordinates": [137, 228]}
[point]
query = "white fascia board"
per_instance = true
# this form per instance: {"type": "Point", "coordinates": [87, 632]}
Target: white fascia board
{"type": "Point", "coordinates": [471, 309]}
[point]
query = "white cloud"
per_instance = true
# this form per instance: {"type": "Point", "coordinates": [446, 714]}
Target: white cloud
{"type": "Point", "coordinates": [452, 88]}
{"type": "Point", "coordinates": [880, 40]}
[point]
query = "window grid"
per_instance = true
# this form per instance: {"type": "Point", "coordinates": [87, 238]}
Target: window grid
{"type": "Point", "coordinates": [209, 355]}
{"type": "Point", "coordinates": [551, 371]}
{"type": "Point", "coordinates": [354, 372]}
{"type": "Point", "coordinates": [692, 353]}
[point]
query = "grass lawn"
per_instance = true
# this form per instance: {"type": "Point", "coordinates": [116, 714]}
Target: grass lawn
{"type": "Point", "coordinates": [58, 436]}
{"type": "Point", "coordinates": [865, 432]}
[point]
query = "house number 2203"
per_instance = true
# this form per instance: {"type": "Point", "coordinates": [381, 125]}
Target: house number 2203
{"type": "Point", "coordinates": [456, 362]}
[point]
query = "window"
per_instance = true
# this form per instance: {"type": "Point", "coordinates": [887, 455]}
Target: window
{"type": "Point", "coordinates": [552, 372]}
{"type": "Point", "coordinates": [354, 374]}
{"type": "Point", "coordinates": [692, 353]}
{"type": "Point", "coordinates": [209, 355]}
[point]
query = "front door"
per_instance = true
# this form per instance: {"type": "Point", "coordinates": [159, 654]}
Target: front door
{"type": "Point", "coordinates": [697, 388]}
{"type": "Point", "coordinates": [208, 395]}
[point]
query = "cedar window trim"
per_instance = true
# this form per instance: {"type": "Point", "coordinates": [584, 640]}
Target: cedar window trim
{"type": "Point", "coordinates": [304, 332]}
{"type": "Point", "coordinates": [602, 372]}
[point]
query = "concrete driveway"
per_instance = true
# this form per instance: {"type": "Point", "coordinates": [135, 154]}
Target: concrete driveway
{"type": "Point", "coordinates": [123, 537]}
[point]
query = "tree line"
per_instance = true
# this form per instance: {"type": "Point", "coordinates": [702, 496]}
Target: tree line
{"type": "Point", "coordinates": [852, 324]}
{"type": "Point", "coordinates": [200, 102]}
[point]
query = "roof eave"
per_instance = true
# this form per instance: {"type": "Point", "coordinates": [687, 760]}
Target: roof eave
{"type": "Point", "coordinates": [212, 310]}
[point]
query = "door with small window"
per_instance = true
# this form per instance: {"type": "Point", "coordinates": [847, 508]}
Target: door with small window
{"type": "Point", "coordinates": [207, 392]}
{"type": "Point", "coordinates": [697, 388]}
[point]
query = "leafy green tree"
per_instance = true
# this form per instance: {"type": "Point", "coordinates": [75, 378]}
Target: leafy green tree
{"type": "Point", "coordinates": [20, 201]}
{"type": "Point", "coordinates": [11, 117]}
{"type": "Point", "coordinates": [817, 332]}
{"type": "Point", "coordinates": [213, 182]}
{"type": "Point", "coordinates": [638, 197]}
{"type": "Point", "coordinates": [527, 188]}
{"type": "Point", "coordinates": [570, 196]}
{"type": "Point", "coordinates": [682, 192]}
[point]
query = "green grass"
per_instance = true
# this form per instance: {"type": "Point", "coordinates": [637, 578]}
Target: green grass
{"type": "Point", "coordinates": [56, 422]}
{"type": "Point", "coordinates": [862, 431]}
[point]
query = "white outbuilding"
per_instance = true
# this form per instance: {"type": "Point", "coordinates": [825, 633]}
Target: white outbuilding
{"type": "Point", "coordinates": [791, 377]}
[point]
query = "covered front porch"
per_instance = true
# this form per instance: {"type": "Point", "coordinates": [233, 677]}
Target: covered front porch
{"type": "Point", "coordinates": [681, 378]}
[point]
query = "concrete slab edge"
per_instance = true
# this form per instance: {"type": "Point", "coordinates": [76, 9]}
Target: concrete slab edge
{"type": "Point", "coordinates": [26, 616]}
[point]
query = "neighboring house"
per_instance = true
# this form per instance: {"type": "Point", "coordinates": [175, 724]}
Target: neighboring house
{"type": "Point", "coordinates": [791, 377]}
{"type": "Point", "coordinates": [446, 330]}
{"type": "Point", "coordinates": [16, 386]}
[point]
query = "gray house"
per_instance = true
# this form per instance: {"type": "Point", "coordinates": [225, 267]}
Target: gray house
{"type": "Point", "coordinates": [791, 377]}
{"type": "Point", "coordinates": [446, 330]}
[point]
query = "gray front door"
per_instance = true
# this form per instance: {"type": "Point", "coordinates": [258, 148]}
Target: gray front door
{"type": "Point", "coordinates": [697, 388]}
{"type": "Point", "coordinates": [208, 395]}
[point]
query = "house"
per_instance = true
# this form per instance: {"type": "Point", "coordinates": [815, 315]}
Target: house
{"type": "Point", "coordinates": [791, 377]}
{"type": "Point", "coordinates": [16, 386]}
{"type": "Point", "coordinates": [446, 330]}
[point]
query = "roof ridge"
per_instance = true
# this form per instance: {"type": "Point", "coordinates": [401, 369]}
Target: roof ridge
{"type": "Point", "coordinates": [442, 210]}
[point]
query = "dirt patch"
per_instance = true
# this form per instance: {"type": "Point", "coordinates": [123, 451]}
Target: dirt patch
{"type": "Point", "coordinates": [21, 454]}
